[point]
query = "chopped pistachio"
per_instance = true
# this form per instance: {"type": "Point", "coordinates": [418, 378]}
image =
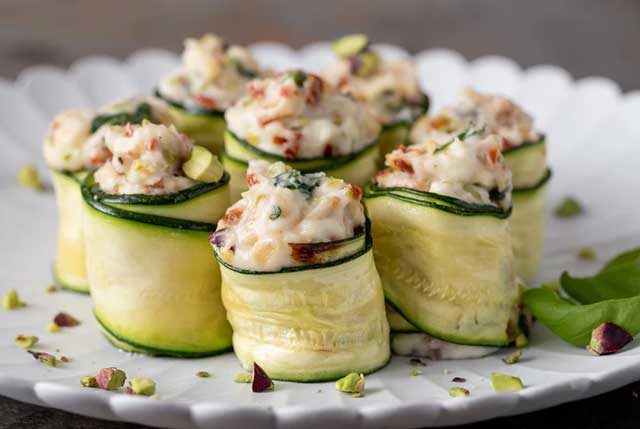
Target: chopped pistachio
{"type": "Point", "coordinates": [505, 382]}
{"type": "Point", "coordinates": [203, 374]}
{"type": "Point", "coordinates": [416, 362]}
{"type": "Point", "coordinates": [155, 396]}
{"type": "Point", "coordinates": [352, 383]}
{"type": "Point", "coordinates": [352, 44]}
{"type": "Point", "coordinates": [88, 381]}
{"type": "Point", "coordinates": [522, 341]}
{"type": "Point", "coordinates": [569, 207]}
{"type": "Point", "coordinates": [261, 382]}
{"type": "Point", "coordinates": [415, 372]}
{"type": "Point", "coordinates": [608, 338]}
{"type": "Point", "coordinates": [65, 359]}
{"type": "Point", "coordinates": [65, 320]}
{"type": "Point", "coordinates": [445, 371]}
{"type": "Point", "coordinates": [52, 288]}
{"type": "Point", "coordinates": [457, 392]}
{"type": "Point", "coordinates": [53, 327]}
{"type": "Point", "coordinates": [512, 358]}
{"type": "Point", "coordinates": [458, 380]}
{"type": "Point", "coordinates": [11, 300]}
{"type": "Point", "coordinates": [26, 341]}
{"type": "Point", "coordinates": [29, 178]}
{"type": "Point", "coordinates": [243, 377]}
{"type": "Point", "coordinates": [111, 378]}
{"type": "Point", "coordinates": [45, 358]}
{"type": "Point", "coordinates": [142, 386]}
{"type": "Point", "coordinates": [587, 254]}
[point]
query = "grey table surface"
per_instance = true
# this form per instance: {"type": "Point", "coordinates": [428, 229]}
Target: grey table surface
{"type": "Point", "coordinates": [586, 37]}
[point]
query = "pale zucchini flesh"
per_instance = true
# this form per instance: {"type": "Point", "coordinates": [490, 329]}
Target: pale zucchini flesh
{"type": "Point", "coordinates": [392, 136]}
{"type": "Point", "coordinates": [356, 168]}
{"type": "Point", "coordinates": [309, 325]}
{"type": "Point", "coordinates": [154, 285]}
{"type": "Point", "coordinates": [69, 267]}
{"type": "Point", "coordinates": [527, 162]}
{"type": "Point", "coordinates": [422, 345]}
{"type": "Point", "coordinates": [446, 269]}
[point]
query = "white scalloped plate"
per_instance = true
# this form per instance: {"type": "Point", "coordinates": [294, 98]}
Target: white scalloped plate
{"type": "Point", "coordinates": [593, 132]}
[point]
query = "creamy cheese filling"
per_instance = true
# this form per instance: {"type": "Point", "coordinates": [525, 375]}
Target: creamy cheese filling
{"type": "Point", "coordinates": [498, 115]}
{"type": "Point", "coordinates": [145, 159]}
{"type": "Point", "coordinates": [71, 142]}
{"type": "Point", "coordinates": [212, 75]}
{"type": "Point", "coordinates": [296, 115]}
{"type": "Point", "coordinates": [468, 167]}
{"type": "Point", "coordinates": [390, 89]}
{"type": "Point", "coordinates": [284, 207]}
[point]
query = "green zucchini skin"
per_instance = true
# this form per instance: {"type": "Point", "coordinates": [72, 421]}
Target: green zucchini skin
{"type": "Point", "coordinates": [527, 228]}
{"type": "Point", "coordinates": [154, 285]}
{"type": "Point", "coordinates": [311, 323]}
{"type": "Point", "coordinates": [445, 265]}
{"type": "Point", "coordinates": [527, 163]}
{"type": "Point", "coordinates": [69, 269]}
{"type": "Point", "coordinates": [356, 168]}
{"type": "Point", "coordinates": [205, 126]}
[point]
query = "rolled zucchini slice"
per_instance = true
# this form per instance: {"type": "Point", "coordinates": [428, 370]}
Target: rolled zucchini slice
{"type": "Point", "coordinates": [154, 285]}
{"type": "Point", "coordinates": [392, 136]}
{"type": "Point", "coordinates": [206, 127]}
{"type": "Point", "coordinates": [527, 228]}
{"type": "Point", "coordinates": [527, 162]}
{"type": "Point", "coordinates": [69, 268]}
{"type": "Point", "coordinates": [356, 168]}
{"type": "Point", "coordinates": [446, 265]}
{"type": "Point", "coordinates": [310, 323]}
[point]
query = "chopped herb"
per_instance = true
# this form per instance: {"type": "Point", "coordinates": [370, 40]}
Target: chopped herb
{"type": "Point", "coordinates": [29, 177]}
{"type": "Point", "coordinates": [587, 253]}
{"type": "Point", "coordinates": [275, 213]}
{"type": "Point", "coordinates": [416, 362]}
{"type": "Point", "coordinates": [512, 358]}
{"type": "Point", "coordinates": [142, 112]}
{"type": "Point", "coordinates": [243, 377]}
{"type": "Point", "coordinates": [569, 207]}
{"type": "Point", "coordinates": [458, 380]}
{"type": "Point", "coordinates": [242, 70]}
{"type": "Point", "coordinates": [294, 180]}
{"type": "Point", "coordinates": [352, 383]}
{"type": "Point", "coordinates": [203, 374]}
{"type": "Point", "coordinates": [298, 77]}
{"type": "Point", "coordinates": [469, 132]}
{"type": "Point", "coordinates": [458, 392]}
{"type": "Point", "coordinates": [415, 372]}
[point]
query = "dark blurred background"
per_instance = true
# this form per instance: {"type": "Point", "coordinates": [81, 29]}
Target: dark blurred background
{"type": "Point", "coordinates": [586, 37]}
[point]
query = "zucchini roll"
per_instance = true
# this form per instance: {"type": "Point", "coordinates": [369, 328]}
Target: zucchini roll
{"type": "Point", "coordinates": [389, 89]}
{"type": "Point", "coordinates": [73, 147]}
{"type": "Point", "coordinates": [524, 152]}
{"type": "Point", "coordinates": [298, 277]}
{"type": "Point", "coordinates": [211, 79]}
{"type": "Point", "coordinates": [294, 117]}
{"type": "Point", "coordinates": [148, 213]}
{"type": "Point", "coordinates": [443, 249]}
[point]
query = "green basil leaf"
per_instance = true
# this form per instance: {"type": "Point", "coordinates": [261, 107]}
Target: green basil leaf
{"type": "Point", "coordinates": [574, 323]}
{"type": "Point", "coordinates": [620, 278]}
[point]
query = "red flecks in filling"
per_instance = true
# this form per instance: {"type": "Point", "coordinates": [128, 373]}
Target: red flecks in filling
{"type": "Point", "coordinates": [252, 179]}
{"type": "Point", "coordinates": [279, 140]}
{"type": "Point", "coordinates": [439, 121]}
{"type": "Point", "coordinates": [128, 130]}
{"type": "Point", "coordinates": [492, 155]}
{"type": "Point", "coordinates": [357, 192]}
{"type": "Point", "coordinates": [204, 101]}
{"type": "Point", "coordinates": [506, 144]}
{"type": "Point", "coordinates": [315, 89]}
{"type": "Point", "coordinates": [153, 144]}
{"type": "Point", "coordinates": [287, 91]}
{"type": "Point", "coordinates": [253, 91]}
{"type": "Point", "coordinates": [403, 166]}
{"type": "Point", "coordinates": [232, 216]}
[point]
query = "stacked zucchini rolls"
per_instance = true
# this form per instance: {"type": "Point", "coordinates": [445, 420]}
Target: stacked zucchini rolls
{"type": "Point", "coordinates": [524, 152]}
{"type": "Point", "coordinates": [211, 79]}
{"type": "Point", "coordinates": [72, 148]}
{"type": "Point", "coordinates": [296, 118]}
{"type": "Point", "coordinates": [298, 278]}
{"type": "Point", "coordinates": [442, 245]}
{"type": "Point", "coordinates": [148, 212]}
{"type": "Point", "coordinates": [388, 89]}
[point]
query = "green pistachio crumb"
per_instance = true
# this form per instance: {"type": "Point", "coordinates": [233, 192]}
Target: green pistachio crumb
{"type": "Point", "coordinates": [505, 382]}
{"type": "Point", "coordinates": [445, 371]}
{"type": "Point", "coordinates": [458, 392]}
{"type": "Point", "coordinates": [143, 386]}
{"type": "Point", "coordinates": [415, 372]}
{"type": "Point", "coordinates": [52, 288]}
{"type": "Point", "coordinates": [28, 177]}
{"type": "Point", "coordinates": [45, 358]}
{"type": "Point", "coordinates": [512, 358]}
{"type": "Point", "coordinates": [203, 374]}
{"type": "Point", "coordinates": [53, 327]}
{"type": "Point", "coordinates": [11, 300]}
{"type": "Point", "coordinates": [243, 377]}
{"type": "Point", "coordinates": [569, 207]}
{"type": "Point", "coordinates": [26, 341]}
{"type": "Point", "coordinates": [352, 383]}
{"type": "Point", "coordinates": [522, 341]}
{"type": "Point", "coordinates": [155, 396]}
{"type": "Point", "coordinates": [416, 362]}
{"type": "Point", "coordinates": [65, 359]}
{"type": "Point", "coordinates": [275, 213]}
{"type": "Point", "coordinates": [587, 254]}
{"type": "Point", "coordinates": [88, 381]}
{"type": "Point", "coordinates": [111, 378]}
